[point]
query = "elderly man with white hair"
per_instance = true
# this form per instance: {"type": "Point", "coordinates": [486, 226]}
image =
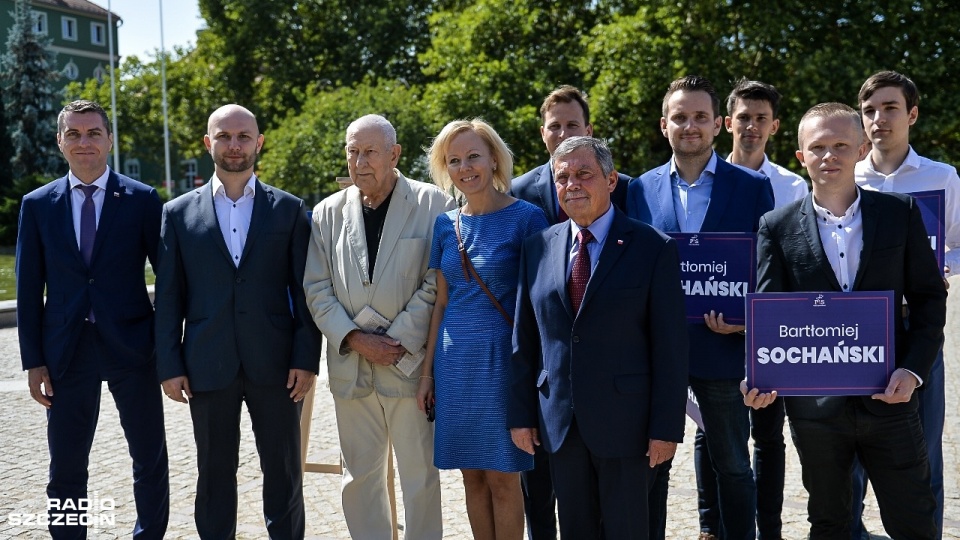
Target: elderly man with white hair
{"type": "Point", "coordinates": [368, 257]}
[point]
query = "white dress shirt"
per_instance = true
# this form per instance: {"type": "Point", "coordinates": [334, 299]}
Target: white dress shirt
{"type": "Point", "coordinates": [918, 173]}
{"type": "Point", "coordinates": [234, 216]}
{"type": "Point", "coordinates": [842, 239]}
{"type": "Point", "coordinates": [77, 196]}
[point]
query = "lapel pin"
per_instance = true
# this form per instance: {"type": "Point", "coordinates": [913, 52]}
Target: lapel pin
{"type": "Point", "coordinates": [116, 194]}
{"type": "Point", "coordinates": [619, 242]}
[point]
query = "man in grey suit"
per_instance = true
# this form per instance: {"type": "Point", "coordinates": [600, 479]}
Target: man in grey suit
{"type": "Point", "coordinates": [231, 262]}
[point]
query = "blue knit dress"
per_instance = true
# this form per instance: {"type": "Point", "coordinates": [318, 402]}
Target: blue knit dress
{"type": "Point", "coordinates": [474, 343]}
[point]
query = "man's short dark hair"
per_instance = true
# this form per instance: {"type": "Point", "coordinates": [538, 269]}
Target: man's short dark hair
{"type": "Point", "coordinates": [754, 91]}
{"type": "Point", "coordinates": [693, 83]}
{"type": "Point", "coordinates": [566, 94]}
{"type": "Point", "coordinates": [82, 106]}
{"type": "Point", "coordinates": [883, 79]}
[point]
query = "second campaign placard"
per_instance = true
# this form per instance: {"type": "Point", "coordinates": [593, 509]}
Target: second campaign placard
{"type": "Point", "coordinates": [820, 343]}
{"type": "Point", "coordinates": [717, 270]}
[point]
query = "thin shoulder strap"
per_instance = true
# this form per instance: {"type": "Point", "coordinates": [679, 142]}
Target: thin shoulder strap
{"type": "Point", "coordinates": [468, 270]}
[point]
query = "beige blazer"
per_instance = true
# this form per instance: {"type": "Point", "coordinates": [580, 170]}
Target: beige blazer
{"type": "Point", "coordinates": [403, 289]}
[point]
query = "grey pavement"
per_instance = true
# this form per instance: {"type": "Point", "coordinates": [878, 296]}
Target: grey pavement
{"type": "Point", "coordinates": [23, 465]}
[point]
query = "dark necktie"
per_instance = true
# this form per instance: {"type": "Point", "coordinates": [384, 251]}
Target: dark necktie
{"type": "Point", "coordinates": [88, 223]}
{"type": "Point", "coordinates": [580, 274]}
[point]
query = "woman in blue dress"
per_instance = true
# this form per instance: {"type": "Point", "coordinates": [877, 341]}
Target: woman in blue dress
{"type": "Point", "coordinates": [467, 364]}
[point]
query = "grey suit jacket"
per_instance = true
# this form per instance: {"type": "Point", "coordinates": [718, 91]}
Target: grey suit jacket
{"type": "Point", "coordinates": [214, 317]}
{"type": "Point", "coordinates": [403, 289]}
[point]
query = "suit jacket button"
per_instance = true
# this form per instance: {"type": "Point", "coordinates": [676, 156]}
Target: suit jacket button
{"type": "Point", "coordinates": [576, 339]}
{"type": "Point", "coordinates": [239, 280]}
{"type": "Point", "coordinates": [91, 281]}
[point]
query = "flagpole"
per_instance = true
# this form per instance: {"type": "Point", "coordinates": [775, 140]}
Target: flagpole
{"type": "Point", "coordinates": [113, 88]}
{"type": "Point", "coordinates": [166, 120]}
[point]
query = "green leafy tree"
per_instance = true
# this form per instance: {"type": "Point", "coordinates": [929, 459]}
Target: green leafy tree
{"type": "Point", "coordinates": [27, 77]}
{"type": "Point", "coordinates": [812, 52]}
{"type": "Point", "coordinates": [497, 59]}
{"type": "Point", "coordinates": [304, 153]}
{"type": "Point", "coordinates": [273, 53]}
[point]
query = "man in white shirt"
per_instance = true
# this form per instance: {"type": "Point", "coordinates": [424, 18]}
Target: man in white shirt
{"type": "Point", "coordinates": [233, 327]}
{"type": "Point", "coordinates": [847, 239]}
{"type": "Point", "coordinates": [752, 108]}
{"type": "Point", "coordinates": [888, 106]}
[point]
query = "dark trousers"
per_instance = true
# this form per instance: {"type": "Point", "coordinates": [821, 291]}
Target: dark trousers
{"type": "Point", "coordinates": [276, 428]}
{"type": "Point", "coordinates": [657, 499]}
{"type": "Point", "coordinates": [539, 501]}
{"type": "Point", "coordinates": [891, 450]}
{"type": "Point", "coordinates": [597, 494]}
{"type": "Point", "coordinates": [727, 423]}
{"type": "Point", "coordinates": [72, 422]}
{"type": "Point", "coordinates": [769, 458]}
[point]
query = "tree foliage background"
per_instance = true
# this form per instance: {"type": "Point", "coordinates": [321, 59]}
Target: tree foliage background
{"type": "Point", "coordinates": [307, 68]}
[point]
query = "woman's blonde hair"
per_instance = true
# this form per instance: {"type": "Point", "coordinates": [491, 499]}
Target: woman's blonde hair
{"type": "Point", "coordinates": [498, 150]}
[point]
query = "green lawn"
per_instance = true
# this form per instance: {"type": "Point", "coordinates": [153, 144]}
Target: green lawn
{"type": "Point", "coordinates": [8, 282]}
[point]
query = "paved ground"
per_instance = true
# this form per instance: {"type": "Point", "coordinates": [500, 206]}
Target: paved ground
{"type": "Point", "coordinates": [23, 462]}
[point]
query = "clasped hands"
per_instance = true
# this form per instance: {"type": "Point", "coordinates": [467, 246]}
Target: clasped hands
{"type": "Point", "coordinates": [382, 350]}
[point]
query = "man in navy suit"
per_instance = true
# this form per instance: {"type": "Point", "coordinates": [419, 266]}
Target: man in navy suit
{"type": "Point", "coordinates": [233, 327]}
{"type": "Point", "coordinates": [599, 364]}
{"type": "Point", "coordinates": [565, 113]}
{"type": "Point", "coordinates": [85, 238]}
{"type": "Point", "coordinates": [843, 238]}
{"type": "Point", "coordinates": [696, 191]}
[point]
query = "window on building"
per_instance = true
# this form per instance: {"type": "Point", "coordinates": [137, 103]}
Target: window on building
{"type": "Point", "coordinates": [131, 168]}
{"type": "Point", "coordinates": [190, 171]}
{"type": "Point", "coordinates": [71, 71]}
{"type": "Point", "coordinates": [98, 33]}
{"type": "Point", "coordinates": [68, 27]}
{"type": "Point", "coordinates": [39, 23]}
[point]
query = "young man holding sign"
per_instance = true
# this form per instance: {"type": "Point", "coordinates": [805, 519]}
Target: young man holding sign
{"type": "Point", "coordinates": [888, 106]}
{"type": "Point", "coordinates": [843, 239]}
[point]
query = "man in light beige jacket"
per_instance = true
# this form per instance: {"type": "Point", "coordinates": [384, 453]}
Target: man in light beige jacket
{"type": "Point", "coordinates": [370, 247]}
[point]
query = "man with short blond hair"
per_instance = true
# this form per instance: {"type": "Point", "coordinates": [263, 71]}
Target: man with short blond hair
{"type": "Point", "coordinates": [842, 238]}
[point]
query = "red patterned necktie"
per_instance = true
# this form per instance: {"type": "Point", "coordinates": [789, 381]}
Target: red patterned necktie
{"type": "Point", "coordinates": [580, 274]}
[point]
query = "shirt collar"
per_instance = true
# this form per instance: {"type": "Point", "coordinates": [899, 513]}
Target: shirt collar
{"type": "Point", "coordinates": [100, 182]}
{"type": "Point", "coordinates": [912, 161]}
{"type": "Point", "coordinates": [248, 190]}
{"type": "Point", "coordinates": [826, 216]}
{"type": "Point", "coordinates": [599, 228]}
{"type": "Point", "coordinates": [710, 168]}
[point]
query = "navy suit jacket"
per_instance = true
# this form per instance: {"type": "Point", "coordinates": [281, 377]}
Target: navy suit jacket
{"type": "Point", "coordinates": [738, 198]}
{"type": "Point", "coordinates": [214, 317]}
{"type": "Point", "coordinates": [536, 186]}
{"type": "Point", "coordinates": [620, 364]}
{"type": "Point", "coordinates": [896, 256]}
{"type": "Point", "coordinates": [113, 284]}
